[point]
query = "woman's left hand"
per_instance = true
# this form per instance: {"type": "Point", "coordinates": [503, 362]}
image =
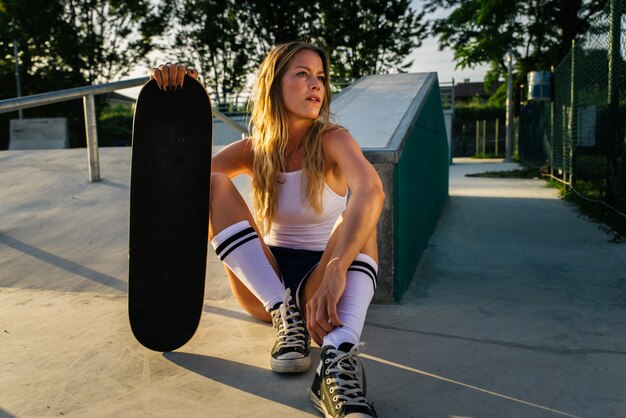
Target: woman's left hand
{"type": "Point", "coordinates": [321, 310]}
{"type": "Point", "coordinates": [171, 76]}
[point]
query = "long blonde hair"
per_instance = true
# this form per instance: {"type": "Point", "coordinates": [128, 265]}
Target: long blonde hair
{"type": "Point", "coordinates": [268, 124]}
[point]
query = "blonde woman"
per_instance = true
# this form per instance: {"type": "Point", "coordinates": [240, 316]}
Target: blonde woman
{"type": "Point", "coordinates": [306, 248]}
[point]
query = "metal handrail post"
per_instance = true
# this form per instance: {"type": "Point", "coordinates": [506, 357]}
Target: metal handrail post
{"type": "Point", "coordinates": [219, 115]}
{"type": "Point", "coordinates": [92, 138]}
{"type": "Point", "coordinates": [10, 105]}
{"type": "Point", "coordinates": [88, 93]}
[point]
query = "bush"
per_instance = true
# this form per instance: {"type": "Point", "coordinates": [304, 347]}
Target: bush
{"type": "Point", "coordinates": [115, 126]}
{"type": "Point", "coordinates": [464, 128]}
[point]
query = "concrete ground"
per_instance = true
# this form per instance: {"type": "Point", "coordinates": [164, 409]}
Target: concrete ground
{"type": "Point", "coordinates": [517, 309]}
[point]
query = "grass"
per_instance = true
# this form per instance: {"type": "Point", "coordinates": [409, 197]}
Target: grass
{"type": "Point", "coordinates": [486, 156]}
{"type": "Point", "coordinates": [610, 221]}
{"type": "Point", "coordinates": [528, 171]}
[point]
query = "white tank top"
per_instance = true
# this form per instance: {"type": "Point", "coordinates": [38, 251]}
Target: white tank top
{"type": "Point", "coordinates": [296, 224]}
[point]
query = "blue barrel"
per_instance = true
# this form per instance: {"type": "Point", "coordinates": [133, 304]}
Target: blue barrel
{"type": "Point", "coordinates": [539, 85]}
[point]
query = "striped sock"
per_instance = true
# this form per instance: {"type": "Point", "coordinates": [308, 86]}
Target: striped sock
{"type": "Point", "coordinates": [361, 280]}
{"type": "Point", "coordinates": [238, 247]}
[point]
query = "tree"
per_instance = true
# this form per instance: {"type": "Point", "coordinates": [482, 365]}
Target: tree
{"type": "Point", "coordinates": [226, 39]}
{"type": "Point", "coordinates": [369, 36]}
{"type": "Point", "coordinates": [69, 43]}
{"type": "Point", "coordinates": [540, 32]}
{"type": "Point", "coordinates": [81, 41]}
{"type": "Point", "coordinates": [282, 21]}
{"type": "Point", "coordinates": [212, 34]}
{"type": "Point", "coordinates": [106, 38]}
{"type": "Point", "coordinates": [36, 44]}
{"type": "Point", "coordinates": [361, 36]}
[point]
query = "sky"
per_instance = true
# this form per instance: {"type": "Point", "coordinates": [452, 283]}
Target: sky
{"type": "Point", "coordinates": [426, 58]}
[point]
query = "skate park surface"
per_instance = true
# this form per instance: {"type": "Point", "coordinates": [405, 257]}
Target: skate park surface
{"type": "Point", "coordinates": [517, 309]}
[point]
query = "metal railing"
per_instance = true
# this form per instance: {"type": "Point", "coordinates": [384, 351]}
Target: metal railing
{"type": "Point", "coordinates": [88, 93]}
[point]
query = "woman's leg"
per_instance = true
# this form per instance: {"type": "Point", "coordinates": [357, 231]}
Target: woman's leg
{"type": "Point", "coordinates": [254, 276]}
{"type": "Point", "coordinates": [339, 384]}
{"type": "Point", "coordinates": [228, 210]}
{"type": "Point", "coordinates": [360, 285]}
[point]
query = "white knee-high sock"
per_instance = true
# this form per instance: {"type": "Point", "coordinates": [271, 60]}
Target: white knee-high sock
{"type": "Point", "coordinates": [238, 246]}
{"type": "Point", "coordinates": [352, 307]}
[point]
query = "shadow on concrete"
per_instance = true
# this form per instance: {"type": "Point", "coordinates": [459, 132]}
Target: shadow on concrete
{"type": "Point", "coordinates": [507, 344]}
{"type": "Point", "coordinates": [64, 263]}
{"type": "Point", "coordinates": [4, 157]}
{"type": "Point", "coordinates": [289, 390]}
{"type": "Point", "coordinates": [114, 184]}
{"type": "Point", "coordinates": [241, 316]}
{"type": "Point", "coordinates": [460, 384]}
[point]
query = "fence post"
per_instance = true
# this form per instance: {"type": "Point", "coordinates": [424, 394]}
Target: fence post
{"type": "Point", "coordinates": [516, 137]}
{"type": "Point", "coordinates": [551, 148]}
{"type": "Point", "coordinates": [92, 138]}
{"type": "Point", "coordinates": [613, 102]}
{"type": "Point", "coordinates": [477, 137]}
{"type": "Point", "coordinates": [497, 131]}
{"type": "Point", "coordinates": [484, 138]}
{"type": "Point", "coordinates": [570, 137]}
{"type": "Point", "coordinates": [509, 107]}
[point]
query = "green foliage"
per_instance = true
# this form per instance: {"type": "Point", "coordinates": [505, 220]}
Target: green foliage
{"type": "Point", "coordinates": [212, 34]}
{"type": "Point", "coordinates": [115, 125]}
{"type": "Point", "coordinates": [479, 111]}
{"type": "Point", "coordinates": [76, 42]}
{"type": "Point", "coordinates": [498, 98]}
{"type": "Point", "coordinates": [281, 21]}
{"type": "Point", "coordinates": [588, 198]}
{"type": "Point", "coordinates": [227, 39]}
{"type": "Point", "coordinates": [526, 172]}
{"type": "Point", "coordinates": [69, 43]}
{"type": "Point", "coordinates": [486, 156]}
{"type": "Point", "coordinates": [369, 36]}
{"type": "Point", "coordinates": [539, 32]}
{"type": "Point", "coordinates": [104, 39]}
{"type": "Point", "coordinates": [464, 129]}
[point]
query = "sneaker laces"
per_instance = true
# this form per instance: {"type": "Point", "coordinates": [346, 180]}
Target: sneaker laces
{"type": "Point", "coordinates": [344, 369]}
{"type": "Point", "coordinates": [288, 320]}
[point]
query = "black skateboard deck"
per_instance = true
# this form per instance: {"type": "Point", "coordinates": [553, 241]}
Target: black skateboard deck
{"type": "Point", "coordinates": [169, 213]}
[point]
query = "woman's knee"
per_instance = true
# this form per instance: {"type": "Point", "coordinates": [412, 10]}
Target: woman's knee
{"type": "Point", "coordinates": [220, 182]}
{"type": "Point", "coordinates": [222, 188]}
{"type": "Point", "coordinates": [246, 299]}
{"type": "Point", "coordinates": [371, 247]}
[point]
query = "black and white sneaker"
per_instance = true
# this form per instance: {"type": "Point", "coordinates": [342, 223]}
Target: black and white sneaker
{"type": "Point", "coordinates": [290, 353]}
{"type": "Point", "coordinates": [338, 389]}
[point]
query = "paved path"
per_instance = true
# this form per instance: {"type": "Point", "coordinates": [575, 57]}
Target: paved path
{"type": "Point", "coordinates": [517, 309]}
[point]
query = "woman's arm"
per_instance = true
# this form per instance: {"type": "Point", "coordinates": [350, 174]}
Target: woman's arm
{"type": "Point", "coordinates": [357, 226]}
{"type": "Point", "coordinates": [366, 197]}
{"type": "Point", "coordinates": [234, 159]}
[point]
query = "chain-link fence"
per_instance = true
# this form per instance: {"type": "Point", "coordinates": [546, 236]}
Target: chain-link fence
{"type": "Point", "coordinates": [582, 129]}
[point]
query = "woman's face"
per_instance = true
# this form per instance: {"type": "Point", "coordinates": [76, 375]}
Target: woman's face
{"type": "Point", "coordinates": [303, 86]}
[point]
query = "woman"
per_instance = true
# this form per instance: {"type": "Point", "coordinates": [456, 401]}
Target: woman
{"type": "Point", "coordinates": [305, 238]}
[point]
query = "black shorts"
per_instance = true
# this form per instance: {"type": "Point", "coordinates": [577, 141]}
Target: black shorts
{"type": "Point", "coordinates": [295, 266]}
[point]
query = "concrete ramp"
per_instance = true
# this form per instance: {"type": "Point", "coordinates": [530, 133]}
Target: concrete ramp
{"type": "Point", "coordinates": [398, 121]}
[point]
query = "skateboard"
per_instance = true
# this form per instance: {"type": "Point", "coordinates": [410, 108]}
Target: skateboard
{"type": "Point", "coordinates": [169, 213]}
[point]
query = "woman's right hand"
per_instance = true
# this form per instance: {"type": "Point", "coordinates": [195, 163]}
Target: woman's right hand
{"type": "Point", "coordinates": [171, 76]}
